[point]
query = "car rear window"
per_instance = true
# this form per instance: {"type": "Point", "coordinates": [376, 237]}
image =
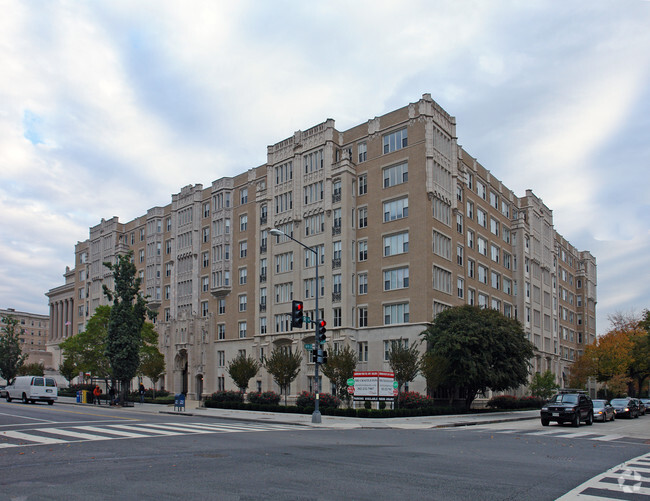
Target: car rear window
{"type": "Point", "coordinates": [38, 381]}
{"type": "Point", "coordinates": [50, 382]}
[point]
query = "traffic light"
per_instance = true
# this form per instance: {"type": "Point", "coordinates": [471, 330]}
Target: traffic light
{"type": "Point", "coordinates": [296, 314]}
{"type": "Point", "coordinates": [324, 357]}
{"type": "Point", "coordinates": [321, 332]}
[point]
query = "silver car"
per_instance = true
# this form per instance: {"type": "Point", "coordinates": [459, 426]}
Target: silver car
{"type": "Point", "coordinates": [603, 411]}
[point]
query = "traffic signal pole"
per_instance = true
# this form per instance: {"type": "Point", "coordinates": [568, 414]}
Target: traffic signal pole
{"type": "Point", "coordinates": [316, 416]}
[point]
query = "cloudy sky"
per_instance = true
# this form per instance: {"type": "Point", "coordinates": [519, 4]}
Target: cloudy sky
{"type": "Point", "coordinates": [109, 107]}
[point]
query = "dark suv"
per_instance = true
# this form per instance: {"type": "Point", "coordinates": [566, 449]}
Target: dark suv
{"type": "Point", "coordinates": [568, 407]}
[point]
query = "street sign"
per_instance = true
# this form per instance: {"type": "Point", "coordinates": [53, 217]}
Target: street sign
{"type": "Point", "coordinates": [309, 346]}
{"type": "Point", "coordinates": [351, 382]}
{"type": "Point", "coordinates": [395, 385]}
{"type": "Point", "coordinates": [351, 390]}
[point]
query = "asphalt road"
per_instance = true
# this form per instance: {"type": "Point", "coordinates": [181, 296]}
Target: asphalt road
{"type": "Point", "coordinates": [84, 453]}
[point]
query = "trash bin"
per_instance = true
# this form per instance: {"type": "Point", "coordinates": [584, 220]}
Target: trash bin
{"type": "Point", "coordinates": [78, 396]}
{"type": "Point", "coordinates": [179, 402]}
{"type": "Point", "coordinates": [84, 396]}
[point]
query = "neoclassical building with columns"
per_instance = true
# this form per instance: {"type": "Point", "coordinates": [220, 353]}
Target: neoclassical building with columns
{"type": "Point", "coordinates": [404, 223]}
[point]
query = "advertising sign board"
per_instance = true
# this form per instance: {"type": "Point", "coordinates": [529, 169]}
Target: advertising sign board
{"type": "Point", "coordinates": [373, 385]}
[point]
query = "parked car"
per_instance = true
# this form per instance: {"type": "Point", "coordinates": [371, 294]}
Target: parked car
{"type": "Point", "coordinates": [603, 411]}
{"type": "Point", "coordinates": [642, 406]}
{"type": "Point", "coordinates": [33, 389]}
{"type": "Point", "coordinates": [626, 407]}
{"type": "Point", "coordinates": [3, 392]}
{"type": "Point", "coordinates": [645, 402]}
{"type": "Point", "coordinates": [568, 407]}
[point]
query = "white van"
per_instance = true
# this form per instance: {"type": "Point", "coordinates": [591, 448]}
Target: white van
{"type": "Point", "coordinates": [33, 389]}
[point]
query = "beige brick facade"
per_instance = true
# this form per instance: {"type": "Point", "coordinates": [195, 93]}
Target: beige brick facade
{"type": "Point", "coordinates": [408, 224]}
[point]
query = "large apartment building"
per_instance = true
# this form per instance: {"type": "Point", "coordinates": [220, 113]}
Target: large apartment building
{"type": "Point", "coordinates": [403, 222]}
{"type": "Point", "coordinates": [34, 335]}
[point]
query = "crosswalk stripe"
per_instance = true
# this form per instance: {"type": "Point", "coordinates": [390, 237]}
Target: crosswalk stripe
{"type": "Point", "coordinates": [607, 438]}
{"type": "Point", "coordinates": [72, 434]}
{"type": "Point", "coordinates": [31, 438]}
{"type": "Point", "coordinates": [139, 430]}
{"type": "Point", "coordinates": [142, 428]}
{"type": "Point", "coordinates": [123, 434]}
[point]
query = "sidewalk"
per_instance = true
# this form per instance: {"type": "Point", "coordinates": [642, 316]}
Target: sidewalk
{"type": "Point", "coordinates": [333, 422]}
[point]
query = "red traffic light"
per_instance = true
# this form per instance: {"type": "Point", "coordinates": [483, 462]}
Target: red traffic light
{"type": "Point", "coordinates": [322, 323]}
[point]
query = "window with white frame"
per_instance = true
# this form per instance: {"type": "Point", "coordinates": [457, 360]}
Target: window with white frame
{"type": "Point", "coordinates": [494, 253]}
{"type": "Point", "coordinates": [284, 262]}
{"type": "Point", "coordinates": [242, 329]}
{"type": "Point", "coordinates": [363, 184]}
{"type": "Point", "coordinates": [441, 245]}
{"type": "Point", "coordinates": [397, 243]}
{"type": "Point", "coordinates": [363, 217]}
{"type": "Point", "coordinates": [362, 279]}
{"type": "Point", "coordinates": [243, 276]}
{"type": "Point", "coordinates": [243, 196]}
{"type": "Point", "coordinates": [459, 255]}
{"type": "Point", "coordinates": [471, 268]}
{"type": "Point", "coordinates": [397, 278]}
{"type": "Point", "coordinates": [243, 302]}
{"type": "Point", "coordinates": [494, 226]}
{"type": "Point", "coordinates": [482, 246]}
{"type": "Point", "coordinates": [480, 189]}
{"type": "Point", "coordinates": [363, 250]}
{"type": "Point", "coordinates": [243, 249]}
{"type": "Point", "coordinates": [481, 217]}
{"type": "Point", "coordinates": [482, 274]}
{"type": "Point", "coordinates": [396, 209]}
{"type": "Point", "coordinates": [441, 280]}
{"type": "Point", "coordinates": [395, 140]}
{"type": "Point", "coordinates": [362, 149]}
{"type": "Point", "coordinates": [396, 174]}
{"type": "Point", "coordinates": [460, 287]}
{"type": "Point", "coordinates": [243, 222]}
{"type": "Point", "coordinates": [396, 313]}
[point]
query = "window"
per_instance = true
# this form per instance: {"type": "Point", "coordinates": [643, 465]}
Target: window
{"type": "Point", "coordinates": [243, 196]}
{"type": "Point", "coordinates": [495, 280]}
{"type": "Point", "coordinates": [396, 244]}
{"type": "Point", "coordinates": [205, 259]}
{"type": "Point", "coordinates": [396, 209]}
{"type": "Point", "coordinates": [363, 184]}
{"type": "Point", "coordinates": [482, 246]}
{"type": "Point", "coordinates": [243, 276]}
{"type": "Point", "coordinates": [395, 140]}
{"type": "Point", "coordinates": [470, 209]}
{"type": "Point", "coordinates": [283, 173]}
{"type": "Point", "coordinates": [396, 174]}
{"type": "Point", "coordinates": [284, 262]}
{"type": "Point", "coordinates": [494, 200]}
{"type": "Point", "coordinates": [168, 269]}
{"type": "Point", "coordinates": [460, 287]}
{"type": "Point", "coordinates": [506, 260]}
{"type": "Point", "coordinates": [470, 268]}
{"type": "Point", "coordinates": [336, 284]}
{"type": "Point", "coordinates": [221, 331]}
{"type": "Point", "coordinates": [363, 316]}
{"type": "Point", "coordinates": [242, 330]}
{"type": "Point", "coordinates": [482, 274]}
{"type": "Point", "coordinates": [362, 278]}
{"type": "Point", "coordinates": [142, 255]}
{"type": "Point", "coordinates": [243, 222]}
{"type": "Point", "coordinates": [314, 224]}
{"type": "Point", "coordinates": [494, 226]}
{"type": "Point", "coordinates": [362, 149]}
{"type": "Point", "coordinates": [222, 306]}
{"type": "Point", "coordinates": [459, 223]}
{"type": "Point", "coordinates": [396, 313]}
{"type": "Point", "coordinates": [441, 280]}
{"type": "Point", "coordinates": [313, 161]}
{"type": "Point", "coordinates": [313, 192]}
{"type": "Point", "coordinates": [396, 279]}
{"type": "Point", "coordinates": [283, 202]}
{"type": "Point", "coordinates": [362, 349]}
{"type": "Point", "coordinates": [481, 217]}
{"type": "Point", "coordinates": [363, 250]}
{"type": "Point", "coordinates": [480, 190]}
{"type": "Point", "coordinates": [243, 302]}
{"type": "Point", "coordinates": [494, 253]}
{"type": "Point", "coordinates": [363, 217]}
{"type": "Point", "coordinates": [470, 239]}
{"type": "Point", "coordinates": [205, 284]}
{"type": "Point", "coordinates": [507, 285]}
{"type": "Point", "coordinates": [243, 249]}
{"type": "Point", "coordinates": [204, 308]}
{"type": "Point", "coordinates": [459, 255]}
{"type": "Point", "coordinates": [441, 211]}
{"type": "Point", "coordinates": [441, 245]}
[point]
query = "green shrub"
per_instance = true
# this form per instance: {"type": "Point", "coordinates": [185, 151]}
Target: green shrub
{"type": "Point", "coordinates": [227, 396]}
{"type": "Point", "coordinates": [413, 400]}
{"type": "Point", "coordinates": [325, 400]}
{"type": "Point", "coordinates": [509, 402]}
{"type": "Point", "coordinates": [267, 398]}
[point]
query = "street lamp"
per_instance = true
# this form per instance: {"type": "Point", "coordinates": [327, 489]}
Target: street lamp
{"type": "Point", "coordinates": [315, 417]}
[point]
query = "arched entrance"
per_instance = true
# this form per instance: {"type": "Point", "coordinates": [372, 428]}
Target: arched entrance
{"type": "Point", "coordinates": [180, 372]}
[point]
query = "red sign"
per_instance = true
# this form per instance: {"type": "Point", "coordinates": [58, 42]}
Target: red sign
{"type": "Point", "coordinates": [351, 390]}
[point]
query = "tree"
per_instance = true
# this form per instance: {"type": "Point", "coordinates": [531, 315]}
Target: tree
{"type": "Point", "coordinates": [125, 322]}
{"type": "Point", "coordinates": [11, 356]}
{"type": "Point", "coordinates": [242, 369]}
{"type": "Point", "coordinates": [33, 369]}
{"type": "Point", "coordinates": [68, 368]}
{"type": "Point", "coordinates": [87, 349]}
{"type": "Point", "coordinates": [152, 362]}
{"type": "Point", "coordinates": [434, 369]}
{"type": "Point", "coordinates": [339, 368]}
{"type": "Point", "coordinates": [484, 350]}
{"type": "Point", "coordinates": [543, 385]}
{"type": "Point", "coordinates": [405, 362]}
{"type": "Point", "coordinates": [284, 367]}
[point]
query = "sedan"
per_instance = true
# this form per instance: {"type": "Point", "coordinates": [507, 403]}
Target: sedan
{"type": "Point", "coordinates": [642, 406]}
{"type": "Point", "coordinates": [626, 407]}
{"type": "Point", "coordinates": [603, 411]}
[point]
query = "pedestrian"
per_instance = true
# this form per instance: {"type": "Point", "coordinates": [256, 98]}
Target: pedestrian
{"type": "Point", "coordinates": [111, 394]}
{"type": "Point", "coordinates": [97, 392]}
{"type": "Point", "coordinates": [142, 390]}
